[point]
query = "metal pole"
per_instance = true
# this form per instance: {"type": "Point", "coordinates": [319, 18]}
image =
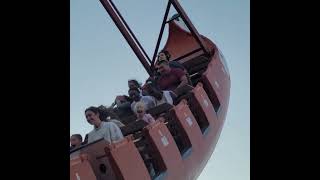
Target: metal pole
{"type": "Point", "coordinates": [124, 31]}
{"type": "Point", "coordinates": [160, 34]}
{"type": "Point", "coordinates": [132, 34]}
{"type": "Point", "coordinates": [189, 24]}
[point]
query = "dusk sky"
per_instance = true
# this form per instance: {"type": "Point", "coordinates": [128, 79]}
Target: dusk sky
{"type": "Point", "coordinates": [102, 62]}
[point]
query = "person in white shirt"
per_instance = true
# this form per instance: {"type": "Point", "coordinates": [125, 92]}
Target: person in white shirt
{"type": "Point", "coordinates": [159, 96]}
{"type": "Point", "coordinates": [134, 93]}
{"type": "Point", "coordinates": [109, 131]}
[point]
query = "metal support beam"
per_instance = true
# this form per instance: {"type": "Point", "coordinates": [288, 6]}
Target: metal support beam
{"type": "Point", "coordinates": [132, 34]}
{"type": "Point", "coordinates": [108, 5]}
{"type": "Point", "coordinates": [189, 24]}
{"type": "Point", "coordinates": [160, 34]}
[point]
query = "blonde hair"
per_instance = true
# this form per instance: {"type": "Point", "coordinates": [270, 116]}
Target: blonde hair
{"type": "Point", "coordinates": [138, 105]}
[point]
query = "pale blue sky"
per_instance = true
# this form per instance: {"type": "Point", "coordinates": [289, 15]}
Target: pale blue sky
{"type": "Point", "coordinates": [102, 62]}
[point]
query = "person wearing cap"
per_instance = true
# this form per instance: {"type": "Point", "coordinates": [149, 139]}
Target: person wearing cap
{"type": "Point", "coordinates": [169, 78]}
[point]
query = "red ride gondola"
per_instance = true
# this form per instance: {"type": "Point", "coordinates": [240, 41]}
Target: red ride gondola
{"type": "Point", "coordinates": [184, 136]}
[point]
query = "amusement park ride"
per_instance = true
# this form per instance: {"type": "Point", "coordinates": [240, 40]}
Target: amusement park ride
{"type": "Point", "coordinates": [184, 136]}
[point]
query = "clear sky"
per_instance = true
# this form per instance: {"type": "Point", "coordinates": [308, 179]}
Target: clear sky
{"type": "Point", "coordinates": [101, 62]}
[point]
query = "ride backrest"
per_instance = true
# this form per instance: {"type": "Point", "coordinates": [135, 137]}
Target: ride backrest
{"type": "Point", "coordinates": [124, 113]}
{"type": "Point", "coordinates": [182, 92]}
{"type": "Point", "coordinates": [133, 127]}
{"type": "Point", "coordinates": [126, 160]}
{"type": "Point", "coordinates": [158, 110]}
{"type": "Point", "coordinates": [196, 67]}
{"type": "Point", "coordinates": [129, 118]}
{"type": "Point", "coordinates": [162, 147]}
{"type": "Point", "coordinates": [201, 107]}
{"type": "Point", "coordinates": [99, 161]}
{"type": "Point", "coordinates": [213, 81]}
{"type": "Point", "coordinates": [80, 168]}
{"type": "Point", "coordinates": [196, 64]}
{"type": "Point", "coordinates": [176, 129]}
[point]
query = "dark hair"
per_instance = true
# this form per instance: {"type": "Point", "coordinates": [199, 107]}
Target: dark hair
{"type": "Point", "coordinates": [93, 109]}
{"type": "Point", "coordinates": [134, 89]}
{"type": "Point", "coordinates": [77, 136]}
{"type": "Point", "coordinates": [105, 112]}
{"type": "Point", "coordinates": [127, 98]}
{"type": "Point", "coordinates": [165, 52]}
{"type": "Point", "coordinates": [152, 83]}
{"type": "Point", "coordinates": [135, 82]}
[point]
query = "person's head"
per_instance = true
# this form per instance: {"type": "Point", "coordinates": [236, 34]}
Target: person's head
{"type": "Point", "coordinates": [163, 62]}
{"type": "Point", "coordinates": [103, 112]}
{"type": "Point", "coordinates": [76, 140]}
{"type": "Point", "coordinates": [134, 94]}
{"type": "Point", "coordinates": [144, 90]}
{"type": "Point", "coordinates": [121, 100]}
{"type": "Point", "coordinates": [163, 67]}
{"type": "Point", "coordinates": [164, 55]}
{"type": "Point", "coordinates": [153, 89]}
{"type": "Point", "coordinates": [139, 109]}
{"type": "Point", "coordinates": [132, 83]}
{"type": "Point", "coordinates": [93, 116]}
